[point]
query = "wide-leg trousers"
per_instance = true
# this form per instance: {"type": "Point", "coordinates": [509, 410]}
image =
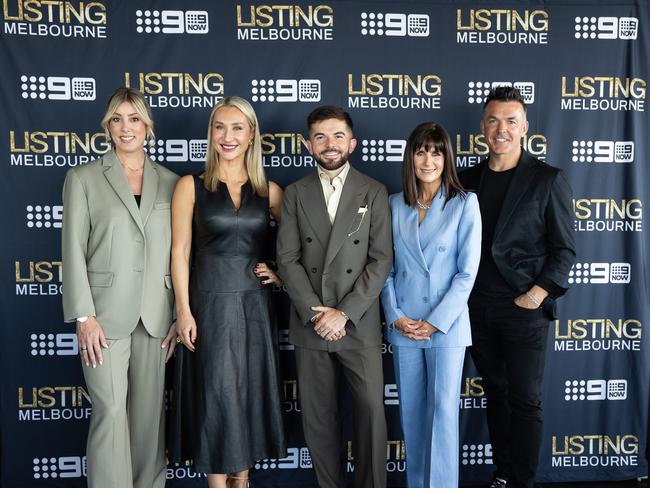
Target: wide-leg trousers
{"type": "Point", "coordinates": [318, 377]}
{"type": "Point", "coordinates": [429, 382]}
{"type": "Point", "coordinates": [126, 437]}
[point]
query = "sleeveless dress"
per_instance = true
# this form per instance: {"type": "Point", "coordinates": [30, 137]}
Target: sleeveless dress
{"type": "Point", "coordinates": [228, 409]}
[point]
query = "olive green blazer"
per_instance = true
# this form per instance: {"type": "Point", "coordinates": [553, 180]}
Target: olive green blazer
{"type": "Point", "coordinates": [116, 256]}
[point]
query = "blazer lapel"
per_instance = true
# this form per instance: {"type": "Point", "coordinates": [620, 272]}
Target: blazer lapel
{"type": "Point", "coordinates": [312, 202]}
{"type": "Point", "coordinates": [352, 197]}
{"type": "Point", "coordinates": [410, 232]}
{"type": "Point", "coordinates": [523, 176]}
{"type": "Point", "coordinates": [434, 221]}
{"type": "Point", "coordinates": [149, 189]}
{"type": "Point", "coordinates": [117, 179]}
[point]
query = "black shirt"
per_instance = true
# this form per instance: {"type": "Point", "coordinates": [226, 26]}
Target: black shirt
{"type": "Point", "coordinates": [490, 284]}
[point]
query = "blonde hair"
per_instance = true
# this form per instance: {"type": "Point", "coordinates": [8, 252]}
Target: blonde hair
{"type": "Point", "coordinates": [135, 98]}
{"type": "Point", "coordinates": [253, 156]}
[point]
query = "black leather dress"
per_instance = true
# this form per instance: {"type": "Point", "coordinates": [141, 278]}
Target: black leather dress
{"type": "Point", "coordinates": [227, 410]}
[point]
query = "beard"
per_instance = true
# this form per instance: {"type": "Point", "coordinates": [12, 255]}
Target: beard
{"type": "Point", "coordinates": [330, 165]}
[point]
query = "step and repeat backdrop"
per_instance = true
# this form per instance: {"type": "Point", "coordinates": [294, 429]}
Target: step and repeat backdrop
{"type": "Point", "coordinates": [583, 67]}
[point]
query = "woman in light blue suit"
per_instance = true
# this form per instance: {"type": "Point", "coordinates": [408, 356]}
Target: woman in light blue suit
{"type": "Point", "coordinates": [437, 238]}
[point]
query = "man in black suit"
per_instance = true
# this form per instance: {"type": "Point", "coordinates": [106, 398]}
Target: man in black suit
{"type": "Point", "coordinates": [527, 252]}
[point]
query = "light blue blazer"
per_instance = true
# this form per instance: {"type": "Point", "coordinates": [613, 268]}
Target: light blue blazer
{"type": "Point", "coordinates": [434, 269]}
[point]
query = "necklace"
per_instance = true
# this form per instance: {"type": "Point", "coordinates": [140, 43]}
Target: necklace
{"type": "Point", "coordinates": [135, 170]}
{"type": "Point", "coordinates": [423, 206]}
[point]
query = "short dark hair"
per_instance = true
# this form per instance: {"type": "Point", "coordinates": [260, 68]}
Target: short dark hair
{"type": "Point", "coordinates": [329, 112]}
{"type": "Point", "coordinates": [505, 94]}
{"type": "Point", "coordinates": [429, 135]}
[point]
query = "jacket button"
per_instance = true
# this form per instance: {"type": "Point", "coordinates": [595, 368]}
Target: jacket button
{"type": "Point", "coordinates": [442, 249]}
{"type": "Point", "coordinates": [425, 299]}
{"type": "Point", "coordinates": [308, 239]}
{"type": "Point", "coordinates": [356, 241]}
{"type": "Point", "coordinates": [348, 271]}
{"type": "Point", "coordinates": [404, 274]}
{"type": "Point", "coordinates": [313, 270]}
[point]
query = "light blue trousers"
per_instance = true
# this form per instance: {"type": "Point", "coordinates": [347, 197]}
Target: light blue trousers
{"type": "Point", "coordinates": [428, 382]}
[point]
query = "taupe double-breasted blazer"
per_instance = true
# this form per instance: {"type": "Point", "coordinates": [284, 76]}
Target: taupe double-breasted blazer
{"type": "Point", "coordinates": [342, 265]}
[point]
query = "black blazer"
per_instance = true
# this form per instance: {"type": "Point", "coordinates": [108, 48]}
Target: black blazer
{"type": "Point", "coordinates": [534, 239]}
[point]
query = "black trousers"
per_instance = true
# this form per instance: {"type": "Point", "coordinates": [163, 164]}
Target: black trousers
{"type": "Point", "coordinates": [509, 345]}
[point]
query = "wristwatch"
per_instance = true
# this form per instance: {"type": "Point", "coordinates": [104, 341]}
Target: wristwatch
{"type": "Point", "coordinates": [345, 316]}
{"type": "Point", "coordinates": [82, 320]}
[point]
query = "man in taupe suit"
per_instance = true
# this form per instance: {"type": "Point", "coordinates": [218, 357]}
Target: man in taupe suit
{"type": "Point", "coordinates": [117, 287]}
{"type": "Point", "coordinates": [334, 253]}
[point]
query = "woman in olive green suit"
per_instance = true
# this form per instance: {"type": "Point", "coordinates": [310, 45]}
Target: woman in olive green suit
{"type": "Point", "coordinates": [117, 288]}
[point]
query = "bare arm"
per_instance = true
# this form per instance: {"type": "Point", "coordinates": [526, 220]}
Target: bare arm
{"type": "Point", "coordinates": [182, 212]}
{"type": "Point", "coordinates": [275, 200]}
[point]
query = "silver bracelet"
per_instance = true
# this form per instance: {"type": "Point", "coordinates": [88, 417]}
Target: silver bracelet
{"type": "Point", "coordinates": [533, 299]}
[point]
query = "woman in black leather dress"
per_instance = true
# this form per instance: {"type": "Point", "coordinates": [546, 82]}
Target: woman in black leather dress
{"type": "Point", "coordinates": [229, 387]}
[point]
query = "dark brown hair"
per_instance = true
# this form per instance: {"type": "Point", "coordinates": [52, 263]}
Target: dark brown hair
{"type": "Point", "coordinates": [505, 94]}
{"type": "Point", "coordinates": [429, 135]}
{"type": "Point", "coordinates": [326, 112]}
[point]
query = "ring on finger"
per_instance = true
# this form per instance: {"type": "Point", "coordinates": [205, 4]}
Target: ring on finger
{"type": "Point", "coordinates": [83, 348]}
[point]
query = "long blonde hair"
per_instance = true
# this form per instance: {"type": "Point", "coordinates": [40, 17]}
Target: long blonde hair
{"type": "Point", "coordinates": [253, 157]}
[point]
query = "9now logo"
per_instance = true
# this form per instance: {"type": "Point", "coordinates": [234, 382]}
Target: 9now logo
{"type": "Point", "coordinates": [389, 150]}
{"type": "Point", "coordinates": [178, 150]}
{"type": "Point", "coordinates": [398, 25]}
{"type": "Point", "coordinates": [54, 344]}
{"type": "Point", "coordinates": [57, 88]}
{"type": "Point", "coordinates": [595, 390]}
{"type": "Point", "coordinates": [44, 216]}
{"type": "Point", "coordinates": [606, 27]}
{"type": "Point", "coordinates": [296, 458]}
{"type": "Point", "coordinates": [172, 21]}
{"type": "Point", "coordinates": [286, 90]}
{"type": "Point", "coordinates": [600, 273]}
{"type": "Point", "coordinates": [476, 454]}
{"type": "Point", "coordinates": [62, 467]}
{"type": "Point", "coordinates": [477, 91]}
{"type": "Point", "coordinates": [603, 151]}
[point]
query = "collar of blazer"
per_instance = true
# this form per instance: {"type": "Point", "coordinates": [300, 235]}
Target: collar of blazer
{"type": "Point", "coordinates": [117, 179]}
{"type": "Point", "coordinates": [523, 177]}
{"type": "Point", "coordinates": [411, 230]}
{"type": "Point", "coordinates": [312, 202]}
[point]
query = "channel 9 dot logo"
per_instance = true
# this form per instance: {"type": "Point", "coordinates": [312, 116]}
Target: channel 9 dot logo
{"type": "Point", "coordinates": [378, 150]}
{"type": "Point", "coordinates": [44, 216]}
{"type": "Point", "coordinates": [45, 468]}
{"type": "Point", "coordinates": [172, 22]}
{"type": "Point", "coordinates": [62, 467]}
{"type": "Point", "coordinates": [394, 24]}
{"type": "Point", "coordinates": [286, 90]}
{"type": "Point", "coordinates": [600, 273]}
{"type": "Point", "coordinates": [42, 344]}
{"type": "Point", "coordinates": [606, 27]}
{"type": "Point", "coordinates": [592, 390]}
{"type": "Point", "coordinates": [472, 454]}
{"type": "Point", "coordinates": [177, 150]}
{"type": "Point", "coordinates": [54, 344]}
{"type": "Point", "coordinates": [477, 91]}
{"type": "Point", "coordinates": [57, 88]}
{"type": "Point", "coordinates": [602, 151]}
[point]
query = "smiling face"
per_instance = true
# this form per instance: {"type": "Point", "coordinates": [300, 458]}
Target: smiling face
{"type": "Point", "coordinates": [331, 143]}
{"type": "Point", "coordinates": [503, 125]}
{"type": "Point", "coordinates": [231, 134]}
{"type": "Point", "coordinates": [428, 165]}
{"type": "Point", "coordinates": [127, 129]}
